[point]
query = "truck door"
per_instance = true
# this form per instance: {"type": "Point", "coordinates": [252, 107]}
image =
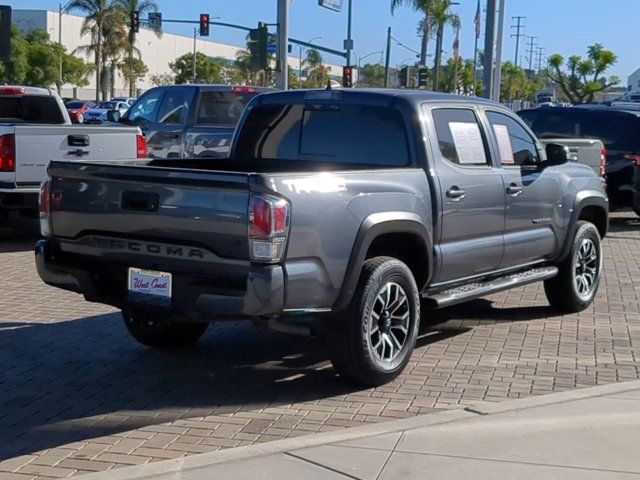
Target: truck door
{"type": "Point", "coordinates": [170, 128]}
{"type": "Point", "coordinates": [471, 196]}
{"type": "Point", "coordinates": [533, 195]}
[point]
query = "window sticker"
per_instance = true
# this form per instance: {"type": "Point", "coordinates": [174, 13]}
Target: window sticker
{"type": "Point", "coordinates": [468, 141]}
{"type": "Point", "coordinates": [504, 144]}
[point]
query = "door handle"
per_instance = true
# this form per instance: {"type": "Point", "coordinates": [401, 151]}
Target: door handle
{"type": "Point", "coordinates": [456, 194]}
{"type": "Point", "coordinates": [514, 190]}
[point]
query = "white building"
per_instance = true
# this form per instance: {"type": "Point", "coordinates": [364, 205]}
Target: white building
{"type": "Point", "coordinates": [633, 84]}
{"type": "Point", "coordinates": [156, 51]}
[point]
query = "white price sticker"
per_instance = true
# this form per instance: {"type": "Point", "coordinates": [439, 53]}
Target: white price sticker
{"type": "Point", "coordinates": [504, 144]}
{"type": "Point", "coordinates": [468, 141]}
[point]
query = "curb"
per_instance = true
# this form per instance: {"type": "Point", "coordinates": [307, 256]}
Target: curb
{"type": "Point", "coordinates": [355, 433]}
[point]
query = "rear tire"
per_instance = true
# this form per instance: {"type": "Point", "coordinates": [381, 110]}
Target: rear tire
{"type": "Point", "coordinates": [576, 284]}
{"type": "Point", "coordinates": [636, 209]}
{"type": "Point", "coordinates": [372, 341]}
{"type": "Point", "coordinates": [162, 334]}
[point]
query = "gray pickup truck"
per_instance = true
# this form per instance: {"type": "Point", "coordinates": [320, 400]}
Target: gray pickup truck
{"type": "Point", "coordinates": [351, 212]}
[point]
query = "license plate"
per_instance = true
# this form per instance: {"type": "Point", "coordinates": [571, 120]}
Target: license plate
{"type": "Point", "coordinates": [147, 284]}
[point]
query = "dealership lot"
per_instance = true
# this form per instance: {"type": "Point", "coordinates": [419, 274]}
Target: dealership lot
{"type": "Point", "coordinates": [77, 394]}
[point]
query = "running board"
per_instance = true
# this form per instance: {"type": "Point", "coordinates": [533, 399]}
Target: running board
{"type": "Point", "coordinates": [481, 289]}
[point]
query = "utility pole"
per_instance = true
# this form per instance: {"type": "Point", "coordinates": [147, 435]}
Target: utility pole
{"type": "Point", "coordinates": [518, 26]}
{"type": "Point", "coordinates": [349, 43]}
{"type": "Point", "coordinates": [497, 74]}
{"type": "Point", "coordinates": [195, 34]}
{"type": "Point", "coordinates": [533, 42]}
{"type": "Point", "coordinates": [282, 50]}
{"type": "Point", "coordinates": [386, 62]}
{"type": "Point", "coordinates": [489, 37]}
{"type": "Point", "coordinates": [540, 55]}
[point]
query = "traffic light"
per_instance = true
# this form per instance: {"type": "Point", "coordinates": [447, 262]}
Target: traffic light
{"type": "Point", "coordinates": [134, 26]}
{"type": "Point", "coordinates": [423, 76]}
{"type": "Point", "coordinates": [258, 41]}
{"type": "Point", "coordinates": [403, 77]}
{"type": "Point", "coordinates": [347, 77]}
{"type": "Point", "coordinates": [204, 24]}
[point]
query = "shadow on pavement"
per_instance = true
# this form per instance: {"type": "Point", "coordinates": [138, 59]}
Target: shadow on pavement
{"type": "Point", "coordinates": [18, 234]}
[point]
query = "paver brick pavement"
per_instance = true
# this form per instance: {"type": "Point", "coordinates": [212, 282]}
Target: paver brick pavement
{"type": "Point", "coordinates": [77, 394]}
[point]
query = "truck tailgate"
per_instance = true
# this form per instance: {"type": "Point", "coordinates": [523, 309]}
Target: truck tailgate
{"type": "Point", "coordinates": [586, 151]}
{"type": "Point", "coordinates": [36, 145]}
{"type": "Point", "coordinates": [164, 208]}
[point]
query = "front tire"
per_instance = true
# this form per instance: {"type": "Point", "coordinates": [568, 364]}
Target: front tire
{"type": "Point", "coordinates": [372, 342]}
{"type": "Point", "coordinates": [576, 284]}
{"type": "Point", "coordinates": [162, 334]}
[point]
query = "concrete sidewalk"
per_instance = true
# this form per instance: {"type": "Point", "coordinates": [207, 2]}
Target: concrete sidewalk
{"type": "Point", "coordinates": [592, 433]}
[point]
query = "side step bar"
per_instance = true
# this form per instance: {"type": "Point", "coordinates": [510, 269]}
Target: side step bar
{"type": "Point", "coordinates": [481, 289]}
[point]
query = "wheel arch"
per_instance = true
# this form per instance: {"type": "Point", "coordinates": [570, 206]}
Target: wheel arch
{"type": "Point", "coordinates": [386, 233]}
{"type": "Point", "coordinates": [590, 206]}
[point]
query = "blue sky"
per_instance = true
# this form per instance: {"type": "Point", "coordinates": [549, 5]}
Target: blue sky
{"type": "Point", "coordinates": [563, 26]}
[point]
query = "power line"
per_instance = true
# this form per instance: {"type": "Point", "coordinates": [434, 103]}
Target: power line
{"type": "Point", "coordinates": [404, 46]}
{"type": "Point", "coordinates": [518, 26]}
{"type": "Point", "coordinates": [533, 43]}
{"type": "Point", "coordinates": [540, 56]}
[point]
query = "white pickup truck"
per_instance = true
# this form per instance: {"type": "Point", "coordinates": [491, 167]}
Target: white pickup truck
{"type": "Point", "coordinates": [34, 129]}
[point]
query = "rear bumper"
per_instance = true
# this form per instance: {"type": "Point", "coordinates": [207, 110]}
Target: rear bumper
{"type": "Point", "coordinates": [19, 199]}
{"type": "Point", "coordinates": [194, 295]}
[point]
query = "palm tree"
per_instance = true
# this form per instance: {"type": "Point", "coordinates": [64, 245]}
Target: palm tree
{"type": "Point", "coordinates": [97, 14]}
{"type": "Point", "coordinates": [317, 71]}
{"type": "Point", "coordinates": [426, 27]}
{"type": "Point", "coordinates": [439, 12]}
{"type": "Point", "coordinates": [114, 44]}
{"type": "Point", "coordinates": [125, 7]}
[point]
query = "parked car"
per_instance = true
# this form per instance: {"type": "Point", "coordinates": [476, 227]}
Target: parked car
{"type": "Point", "coordinates": [77, 108]}
{"type": "Point", "coordinates": [128, 100]}
{"type": "Point", "coordinates": [34, 129]}
{"type": "Point", "coordinates": [337, 211]}
{"type": "Point", "coordinates": [190, 121]}
{"type": "Point", "coordinates": [618, 130]}
{"type": "Point", "coordinates": [98, 114]}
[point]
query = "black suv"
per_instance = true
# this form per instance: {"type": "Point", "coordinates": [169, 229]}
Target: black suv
{"type": "Point", "coordinates": [618, 130]}
{"type": "Point", "coordinates": [190, 121]}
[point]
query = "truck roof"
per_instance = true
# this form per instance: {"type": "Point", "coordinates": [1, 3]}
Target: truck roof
{"type": "Point", "coordinates": [362, 94]}
{"type": "Point", "coordinates": [29, 90]}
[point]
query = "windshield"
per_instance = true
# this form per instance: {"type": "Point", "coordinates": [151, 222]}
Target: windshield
{"type": "Point", "coordinates": [30, 109]}
{"type": "Point", "coordinates": [107, 105]}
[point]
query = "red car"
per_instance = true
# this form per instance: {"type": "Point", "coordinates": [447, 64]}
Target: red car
{"type": "Point", "coordinates": [77, 109]}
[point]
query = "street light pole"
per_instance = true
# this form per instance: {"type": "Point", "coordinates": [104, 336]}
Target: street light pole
{"type": "Point", "coordinates": [349, 44]}
{"type": "Point", "coordinates": [195, 33]}
{"type": "Point", "coordinates": [282, 76]}
{"type": "Point", "coordinates": [360, 60]}
{"type": "Point", "coordinates": [386, 63]}
{"type": "Point", "coordinates": [498, 68]}
{"type": "Point", "coordinates": [489, 38]}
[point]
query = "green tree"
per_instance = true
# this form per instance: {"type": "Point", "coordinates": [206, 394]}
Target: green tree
{"type": "Point", "coordinates": [207, 70]}
{"type": "Point", "coordinates": [75, 71]}
{"type": "Point", "coordinates": [162, 79]}
{"type": "Point", "coordinates": [317, 72]}
{"type": "Point", "coordinates": [439, 10]}
{"type": "Point", "coordinates": [372, 75]}
{"type": "Point", "coordinates": [133, 70]}
{"type": "Point", "coordinates": [583, 78]}
{"type": "Point", "coordinates": [125, 7]}
{"type": "Point", "coordinates": [42, 59]}
{"type": "Point", "coordinates": [97, 15]}
{"type": "Point", "coordinates": [15, 71]}
{"type": "Point", "coordinates": [427, 27]}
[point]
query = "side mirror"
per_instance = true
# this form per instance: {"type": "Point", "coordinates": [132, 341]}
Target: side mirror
{"type": "Point", "coordinates": [556, 154]}
{"type": "Point", "coordinates": [113, 116]}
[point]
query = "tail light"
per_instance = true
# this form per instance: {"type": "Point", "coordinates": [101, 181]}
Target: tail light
{"type": "Point", "coordinates": [268, 228]}
{"type": "Point", "coordinates": [7, 153]}
{"type": "Point", "coordinates": [243, 89]}
{"type": "Point", "coordinates": [12, 91]}
{"type": "Point", "coordinates": [141, 147]}
{"type": "Point", "coordinates": [635, 158]}
{"type": "Point", "coordinates": [602, 171]}
{"type": "Point", "coordinates": [45, 207]}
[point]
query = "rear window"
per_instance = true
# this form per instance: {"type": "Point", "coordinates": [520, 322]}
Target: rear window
{"type": "Point", "coordinates": [331, 134]}
{"type": "Point", "coordinates": [222, 108]}
{"type": "Point", "coordinates": [30, 109]}
{"type": "Point", "coordinates": [617, 130]}
{"type": "Point", "coordinates": [75, 104]}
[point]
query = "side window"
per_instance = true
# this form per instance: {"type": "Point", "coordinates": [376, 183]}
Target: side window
{"type": "Point", "coordinates": [515, 144]}
{"type": "Point", "coordinates": [459, 137]}
{"type": "Point", "coordinates": [145, 110]}
{"type": "Point", "coordinates": [175, 106]}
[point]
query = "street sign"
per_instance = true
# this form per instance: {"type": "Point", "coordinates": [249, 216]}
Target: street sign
{"type": "Point", "coordinates": [335, 5]}
{"type": "Point", "coordinates": [155, 21]}
{"type": "Point", "coordinates": [271, 48]}
{"type": "Point", "coordinates": [348, 44]}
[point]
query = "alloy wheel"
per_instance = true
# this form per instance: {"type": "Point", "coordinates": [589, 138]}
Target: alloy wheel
{"type": "Point", "coordinates": [388, 323]}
